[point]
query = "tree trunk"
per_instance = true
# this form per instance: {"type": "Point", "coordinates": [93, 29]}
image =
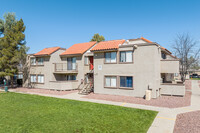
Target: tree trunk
{"type": "Point", "coordinates": [12, 81]}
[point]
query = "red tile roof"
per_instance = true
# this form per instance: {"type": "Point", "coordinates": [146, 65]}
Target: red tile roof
{"type": "Point", "coordinates": [79, 48]}
{"type": "Point", "coordinates": [146, 40]}
{"type": "Point", "coordinates": [108, 45]}
{"type": "Point", "coordinates": [166, 50]}
{"type": "Point", "coordinates": [47, 51]}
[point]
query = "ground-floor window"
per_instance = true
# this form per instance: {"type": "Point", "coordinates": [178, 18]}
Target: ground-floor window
{"type": "Point", "coordinates": [40, 78]}
{"type": "Point", "coordinates": [71, 77]}
{"type": "Point", "coordinates": [126, 81]}
{"type": "Point", "coordinates": [33, 79]}
{"type": "Point", "coordinates": [110, 81]}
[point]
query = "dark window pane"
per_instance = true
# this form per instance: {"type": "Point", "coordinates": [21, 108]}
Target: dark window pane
{"type": "Point", "coordinates": [129, 82]}
{"type": "Point", "coordinates": [73, 77]}
{"type": "Point", "coordinates": [69, 63]}
{"type": "Point", "coordinates": [122, 81]}
{"type": "Point", "coordinates": [108, 56]}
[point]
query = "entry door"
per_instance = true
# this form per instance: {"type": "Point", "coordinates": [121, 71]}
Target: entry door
{"type": "Point", "coordinates": [71, 63]}
{"type": "Point", "coordinates": [91, 63]}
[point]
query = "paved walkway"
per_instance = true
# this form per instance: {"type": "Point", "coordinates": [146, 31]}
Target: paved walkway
{"type": "Point", "coordinates": [164, 121]}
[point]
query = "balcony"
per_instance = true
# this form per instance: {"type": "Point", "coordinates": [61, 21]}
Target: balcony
{"type": "Point", "coordinates": [169, 66]}
{"type": "Point", "coordinates": [64, 68]}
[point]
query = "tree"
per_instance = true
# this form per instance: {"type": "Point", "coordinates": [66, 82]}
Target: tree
{"type": "Point", "coordinates": [187, 51]}
{"type": "Point", "coordinates": [195, 65]}
{"type": "Point", "coordinates": [12, 45]}
{"type": "Point", "coordinates": [97, 38]}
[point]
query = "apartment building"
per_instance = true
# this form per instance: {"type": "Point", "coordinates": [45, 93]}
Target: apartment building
{"type": "Point", "coordinates": [59, 69]}
{"type": "Point", "coordinates": [130, 67]}
{"type": "Point", "coordinates": [117, 67]}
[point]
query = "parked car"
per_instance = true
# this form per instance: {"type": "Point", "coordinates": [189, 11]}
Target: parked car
{"type": "Point", "coordinates": [194, 76]}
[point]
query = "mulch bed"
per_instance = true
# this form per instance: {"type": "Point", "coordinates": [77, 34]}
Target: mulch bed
{"type": "Point", "coordinates": [188, 122]}
{"type": "Point", "coordinates": [43, 91]}
{"type": "Point", "coordinates": [188, 84]}
{"type": "Point", "coordinates": [163, 101]}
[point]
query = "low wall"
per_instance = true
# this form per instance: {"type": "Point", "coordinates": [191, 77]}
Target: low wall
{"type": "Point", "coordinates": [172, 89]}
{"type": "Point", "coordinates": [63, 85]}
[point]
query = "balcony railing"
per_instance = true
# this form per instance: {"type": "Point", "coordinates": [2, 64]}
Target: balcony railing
{"type": "Point", "coordinates": [64, 67]}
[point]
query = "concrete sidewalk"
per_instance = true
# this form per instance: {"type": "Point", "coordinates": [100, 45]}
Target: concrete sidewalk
{"type": "Point", "coordinates": [164, 121]}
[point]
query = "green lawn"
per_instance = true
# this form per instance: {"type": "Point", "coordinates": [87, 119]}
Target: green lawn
{"type": "Point", "coordinates": [195, 78]}
{"type": "Point", "coordinates": [24, 113]}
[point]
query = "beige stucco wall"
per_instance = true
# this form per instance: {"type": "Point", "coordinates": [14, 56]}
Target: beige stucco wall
{"type": "Point", "coordinates": [170, 89]}
{"type": "Point", "coordinates": [169, 66]}
{"type": "Point", "coordinates": [48, 71]}
{"type": "Point", "coordinates": [51, 79]}
{"type": "Point", "coordinates": [145, 71]}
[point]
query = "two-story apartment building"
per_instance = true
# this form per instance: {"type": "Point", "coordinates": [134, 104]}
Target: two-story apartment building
{"type": "Point", "coordinates": [118, 67]}
{"type": "Point", "coordinates": [59, 69]}
{"type": "Point", "coordinates": [133, 66]}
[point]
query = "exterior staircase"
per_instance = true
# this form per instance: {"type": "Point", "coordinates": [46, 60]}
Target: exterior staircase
{"type": "Point", "coordinates": [85, 87]}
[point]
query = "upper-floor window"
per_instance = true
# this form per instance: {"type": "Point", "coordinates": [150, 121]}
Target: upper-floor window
{"type": "Point", "coordinates": [86, 62]}
{"type": "Point", "coordinates": [126, 56]}
{"type": "Point", "coordinates": [40, 61]}
{"type": "Point", "coordinates": [71, 63]}
{"type": "Point", "coordinates": [163, 55]}
{"type": "Point", "coordinates": [111, 57]}
{"type": "Point", "coordinates": [126, 81]}
{"type": "Point", "coordinates": [33, 61]}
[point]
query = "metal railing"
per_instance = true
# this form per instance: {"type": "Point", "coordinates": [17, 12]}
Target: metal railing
{"type": "Point", "coordinates": [60, 67]}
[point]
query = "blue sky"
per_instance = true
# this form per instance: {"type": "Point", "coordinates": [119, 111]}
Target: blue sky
{"type": "Point", "coordinates": [66, 22]}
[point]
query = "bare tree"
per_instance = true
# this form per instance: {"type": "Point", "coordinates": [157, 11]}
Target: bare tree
{"type": "Point", "coordinates": [186, 48]}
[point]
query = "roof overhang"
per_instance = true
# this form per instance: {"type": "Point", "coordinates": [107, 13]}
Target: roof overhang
{"type": "Point", "coordinates": [71, 55]}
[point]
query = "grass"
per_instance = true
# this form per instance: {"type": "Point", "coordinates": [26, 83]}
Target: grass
{"type": "Point", "coordinates": [195, 78]}
{"type": "Point", "coordinates": [22, 113]}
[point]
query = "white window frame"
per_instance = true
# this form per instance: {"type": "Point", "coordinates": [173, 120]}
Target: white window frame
{"type": "Point", "coordinates": [86, 60]}
{"type": "Point", "coordinates": [126, 57]}
{"type": "Point", "coordinates": [40, 78]}
{"type": "Point", "coordinates": [20, 76]}
{"type": "Point", "coordinates": [40, 61]}
{"type": "Point", "coordinates": [109, 81]}
{"type": "Point", "coordinates": [33, 61]}
{"type": "Point", "coordinates": [33, 78]}
{"type": "Point", "coordinates": [111, 57]}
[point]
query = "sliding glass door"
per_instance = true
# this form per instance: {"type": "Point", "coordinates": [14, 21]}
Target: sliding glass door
{"type": "Point", "coordinates": [71, 63]}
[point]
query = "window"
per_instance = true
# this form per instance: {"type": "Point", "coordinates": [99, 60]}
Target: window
{"type": "Point", "coordinates": [71, 77]}
{"type": "Point", "coordinates": [71, 63]}
{"type": "Point", "coordinates": [33, 78]}
{"type": "Point", "coordinates": [40, 78]}
{"type": "Point", "coordinates": [111, 57]}
{"type": "Point", "coordinates": [20, 76]}
{"type": "Point", "coordinates": [126, 82]}
{"type": "Point", "coordinates": [86, 60]}
{"type": "Point", "coordinates": [163, 55]}
{"type": "Point", "coordinates": [126, 56]}
{"type": "Point", "coordinates": [40, 61]}
{"type": "Point", "coordinates": [33, 61]}
{"type": "Point", "coordinates": [110, 81]}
